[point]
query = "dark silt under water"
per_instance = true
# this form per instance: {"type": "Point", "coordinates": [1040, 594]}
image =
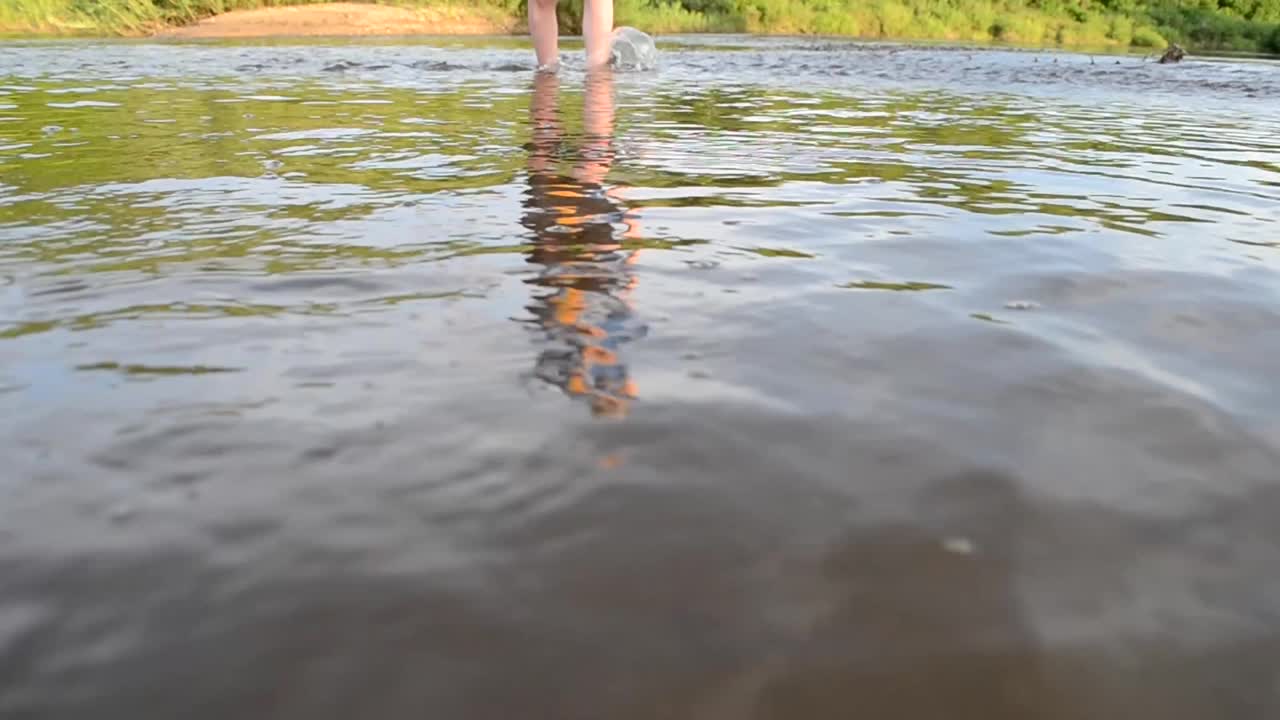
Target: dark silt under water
{"type": "Point", "coordinates": [791, 380]}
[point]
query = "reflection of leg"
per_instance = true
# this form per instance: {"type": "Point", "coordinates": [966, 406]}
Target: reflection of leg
{"type": "Point", "coordinates": [597, 104]}
{"type": "Point", "coordinates": [596, 155]}
{"type": "Point", "coordinates": [545, 31]}
{"type": "Point", "coordinates": [545, 123]}
{"type": "Point", "coordinates": [597, 29]}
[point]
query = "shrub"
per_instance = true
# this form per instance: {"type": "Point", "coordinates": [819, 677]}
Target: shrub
{"type": "Point", "coordinates": [1147, 37]}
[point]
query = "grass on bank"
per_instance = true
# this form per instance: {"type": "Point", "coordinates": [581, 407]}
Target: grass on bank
{"type": "Point", "coordinates": [1239, 25]}
{"type": "Point", "coordinates": [1248, 26]}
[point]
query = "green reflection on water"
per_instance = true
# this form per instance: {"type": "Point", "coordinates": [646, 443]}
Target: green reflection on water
{"type": "Point", "coordinates": [895, 286]}
{"type": "Point", "coordinates": [155, 174]}
{"type": "Point", "coordinates": [778, 252]}
{"type": "Point", "coordinates": [140, 179]}
{"type": "Point", "coordinates": [137, 369]}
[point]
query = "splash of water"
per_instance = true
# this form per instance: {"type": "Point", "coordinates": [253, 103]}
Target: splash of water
{"type": "Point", "coordinates": [633, 50]}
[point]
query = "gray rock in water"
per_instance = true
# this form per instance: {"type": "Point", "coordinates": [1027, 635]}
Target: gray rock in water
{"type": "Point", "coordinates": [1174, 54]}
{"type": "Point", "coordinates": [633, 50]}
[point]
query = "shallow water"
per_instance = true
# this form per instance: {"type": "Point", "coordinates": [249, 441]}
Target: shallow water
{"type": "Point", "coordinates": [791, 380]}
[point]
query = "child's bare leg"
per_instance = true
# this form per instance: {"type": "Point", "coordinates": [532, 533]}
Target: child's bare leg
{"type": "Point", "coordinates": [597, 30]}
{"type": "Point", "coordinates": [545, 31]}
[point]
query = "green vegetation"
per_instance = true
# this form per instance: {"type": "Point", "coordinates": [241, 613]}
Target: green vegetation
{"type": "Point", "coordinates": [1241, 25]}
{"type": "Point", "coordinates": [118, 17]}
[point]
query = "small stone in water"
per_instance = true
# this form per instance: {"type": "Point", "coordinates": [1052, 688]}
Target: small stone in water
{"type": "Point", "coordinates": [959, 546]}
{"type": "Point", "coordinates": [1022, 305]}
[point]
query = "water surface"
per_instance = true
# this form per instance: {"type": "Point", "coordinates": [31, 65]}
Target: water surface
{"type": "Point", "coordinates": [794, 379]}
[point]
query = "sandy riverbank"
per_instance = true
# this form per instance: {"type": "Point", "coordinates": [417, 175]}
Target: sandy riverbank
{"type": "Point", "coordinates": [345, 19]}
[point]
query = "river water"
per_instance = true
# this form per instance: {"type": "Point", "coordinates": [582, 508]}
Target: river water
{"type": "Point", "coordinates": [794, 379]}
